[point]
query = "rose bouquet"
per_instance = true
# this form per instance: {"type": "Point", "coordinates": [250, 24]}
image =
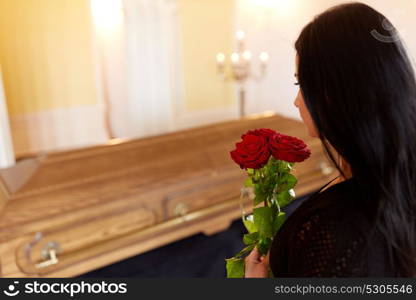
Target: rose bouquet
{"type": "Point", "coordinates": [268, 158]}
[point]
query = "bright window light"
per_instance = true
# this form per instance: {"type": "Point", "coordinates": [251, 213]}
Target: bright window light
{"type": "Point", "coordinates": [107, 14]}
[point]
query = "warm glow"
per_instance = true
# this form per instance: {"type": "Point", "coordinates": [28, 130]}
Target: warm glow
{"type": "Point", "coordinates": [264, 57]}
{"type": "Point", "coordinates": [235, 58]}
{"type": "Point", "coordinates": [117, 141]}
{"type": "Point", "coordinates": [107, 14]}
{"type": "Point", "coordinates": [220, 58]}
{"type": "Point", "coordinates": [281, 7]}
{"type": "Point", "coordinates": [265, 114]}
{"type": "Point", "coordinates": [247, 55]}
{"type": "Point", "coordinates": [240, 35]}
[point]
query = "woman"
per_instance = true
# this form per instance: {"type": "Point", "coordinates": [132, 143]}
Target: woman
{"type": "Point", "coordinates": [358, 95]}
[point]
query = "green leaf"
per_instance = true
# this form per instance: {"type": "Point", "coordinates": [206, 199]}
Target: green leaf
{"type": "Point", "coordinates": [264, 245]}
{"type": "Point", "coordinates": [235, 268]}
{"type": "Point", "coordinates": [263, 221]}
{"type": "Point", "coordinates": [278, 222]}
{"type": "Point", "coordinates": [256, 175]}
{"type": "Point", "coordinates": [250, 238]}
{"type": "Point", "coordinates": [287, 182]}
{"type": "Point", "coordinates": [249, 225]}
{"type": "Point", "coordinates": [282, 166]}
{"type": "Point", "coordinates": [259, 198]}
{"type": "Point", "coordinates": [250, 172]}
{"type": "Point", "coordinates": [274, 209]}
{"type": "Point", "coordinates": [248, 182]}
{"type": "Point", "coordinates": [284, 198]}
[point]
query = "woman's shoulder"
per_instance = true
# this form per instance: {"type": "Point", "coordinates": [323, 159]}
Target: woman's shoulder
{"type": "Point", "coordinates": [338, 198]}
{"type": "Point", "coordinates": [326, 236]}
{"type": "Point", "coordinates": [335, 210]}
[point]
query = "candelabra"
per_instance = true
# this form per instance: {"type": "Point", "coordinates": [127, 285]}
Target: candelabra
{"type": "Point", "coordinates": [240, 68]}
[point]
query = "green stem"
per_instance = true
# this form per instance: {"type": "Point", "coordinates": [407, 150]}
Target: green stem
{"type": "Point", "coordinates": [277, 202]}
{"type": "Point", "coordinates": [275, 191]}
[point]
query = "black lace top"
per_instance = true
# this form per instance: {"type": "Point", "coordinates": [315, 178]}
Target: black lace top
{"type": "Point", "coordinates": [329, 236]}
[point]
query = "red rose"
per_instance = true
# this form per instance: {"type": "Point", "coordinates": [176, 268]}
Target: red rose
{"type": "Point", "coordinates": [252, 152]}
{"type": "Point", "coordinates": [267, 133]}
{"type": "Point", "coordinates": [288, 148]}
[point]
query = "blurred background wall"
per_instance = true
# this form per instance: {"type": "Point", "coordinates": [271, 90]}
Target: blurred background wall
{"type": "Point", "coordinates": [67, 80]}
{"type": "Point", "coordinates": [275, 25]}
{"type": "Point", "coordinates": [46, 53]}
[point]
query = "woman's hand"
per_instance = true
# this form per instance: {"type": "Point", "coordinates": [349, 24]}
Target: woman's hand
{"type": "Point", "coordinates": [256, 266]}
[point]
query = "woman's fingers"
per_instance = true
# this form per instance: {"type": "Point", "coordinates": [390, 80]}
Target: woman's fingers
{"type": "Point", "coordinates": [255, 256]}
{"type": "Point", "coordinates": [265, 259]}
{"type": "Point", "coordinates": [256, 266]}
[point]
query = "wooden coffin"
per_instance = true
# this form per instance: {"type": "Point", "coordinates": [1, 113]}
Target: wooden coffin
{"type": "Point", "coordinates": [71, 212]}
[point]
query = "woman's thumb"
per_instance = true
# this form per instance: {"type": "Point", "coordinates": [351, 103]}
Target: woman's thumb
{"type": "Point", "coordinates": [255, 255]}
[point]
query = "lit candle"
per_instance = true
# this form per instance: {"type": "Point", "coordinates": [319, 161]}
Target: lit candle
{"type": "Point", "coordinates": [240, 35]}
{"type": "Point", "coordinates": [264, 57]}
{"type": "Point", "coordinates": [247, 55]}
{"type": "Point", "coordinates": [235, 58]}
{"type": "Point", "coordinates": [220, 59]}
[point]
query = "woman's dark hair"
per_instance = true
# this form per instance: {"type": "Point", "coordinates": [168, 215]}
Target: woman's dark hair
{"type": "Point", "coordinates": [360, 89]}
